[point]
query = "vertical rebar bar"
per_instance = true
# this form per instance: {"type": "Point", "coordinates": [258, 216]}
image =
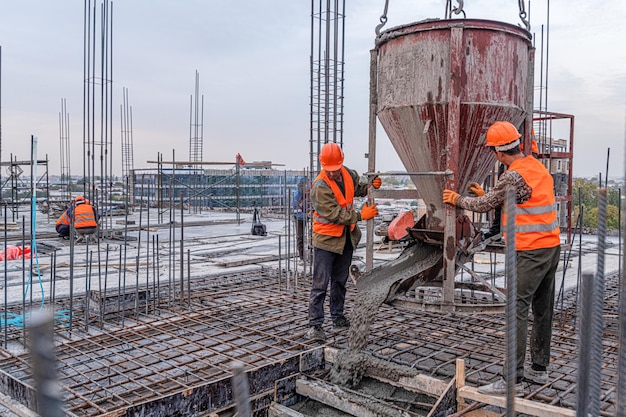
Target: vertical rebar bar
{"type": "Point", "coordinates": [280, 269]}
{"type": "Point", "coordinates": [189, 278]}
{"type": "Point", "coordinates": [620, 405]}
{"type": "Point", "coordinates": [121, 286]}
{"type": "Point", "coordinates": [25, 286]}
{"type": "Point", "coordinates": [88, 261]}
{"type": "Point", "coordinates": [106, 278]}
{"type": "Point", "coordinates": [182, 250]}
{"type": "Point", "coordinates": [41, 329]}
{"type": "Point", "coordinates": [585, 300]}
{"type": "Point", "coordinates": [137, 258]}
{"type": "Point", "coordinates": [6, 279]}
{"type": "Point", "coordinates": [510, 373]}
{"type": "Point", "coordinates": [597, 306]}
{"type": "Point", "coordinates": [241, 393]}
{"type": "Point", "coordinates": [147, 242]}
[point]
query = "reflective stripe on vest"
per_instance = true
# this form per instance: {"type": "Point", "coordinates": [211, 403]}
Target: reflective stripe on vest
{"type": "Point", "coordinates": [321, 224]}
{"type": "Point", "coordinates": [63, 219]}
{"type": "Point", "coordinates": [84, 217]}
{"type": "Point", "coordinates": [536, 221]}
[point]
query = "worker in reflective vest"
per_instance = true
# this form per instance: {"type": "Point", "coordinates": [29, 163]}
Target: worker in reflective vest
{"type": "Point", "coordinates": [82, 214]}
{"type": "Point", "coordinates": [335, 235]}
{"type": "Point", "coordinates": [537, 244]}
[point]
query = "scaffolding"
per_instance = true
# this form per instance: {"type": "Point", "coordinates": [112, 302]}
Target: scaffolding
{"type": "Point", "coordinates": [17, 188]}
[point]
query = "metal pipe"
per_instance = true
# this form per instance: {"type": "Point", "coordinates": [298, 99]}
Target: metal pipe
{"type": "Point", "coordinates": [49, 400]}
{"type": "Point", "coordinates": [510, 374]}
{"type": "Point", "coordinates": [6, 279]}
{"type": "Point", "coordinates": [584, 349]}
{"type": "Point", "coordinates": [597, 307]}
{"type": "Point", "coordinates": [620, 406]}
{"type": "Point", "coordinates": [241, 392]}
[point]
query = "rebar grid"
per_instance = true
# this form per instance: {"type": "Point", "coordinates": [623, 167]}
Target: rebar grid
{"type": "Point", "coordinates": [247, 318]}
{"type": "Point", "coordinates": [430, 342]}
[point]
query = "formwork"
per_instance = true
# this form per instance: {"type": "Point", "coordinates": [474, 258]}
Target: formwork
{"type": "Point", "coordinates": [177, 360]}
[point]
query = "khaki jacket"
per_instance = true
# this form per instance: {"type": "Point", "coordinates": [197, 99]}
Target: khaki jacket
{"type": "Point", "coordinates": [324, 203]}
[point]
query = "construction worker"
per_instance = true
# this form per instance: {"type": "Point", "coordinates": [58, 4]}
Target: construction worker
{"type": "Point", "coordinates": [82, 214]}
{"type": "Point", "coordinates": [537, 245]}
{"type": "Point", "coordinates": [335, 235]}
{"type": "Point", "coordinates": [299, 204]}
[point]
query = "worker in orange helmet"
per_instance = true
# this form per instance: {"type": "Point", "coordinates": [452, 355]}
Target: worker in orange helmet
{"type": "Point", "coordinates": [335, 235]}
{"type": "Point", "coordinates": [537, 245]}
{"type": "Point", "coordinates": [82, 214]}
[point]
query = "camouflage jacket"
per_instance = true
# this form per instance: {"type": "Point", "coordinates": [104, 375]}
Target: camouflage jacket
{"type": "Point", "coordinates": [324, 203]}
{"type": "Point", "coordinates": [496, 196]}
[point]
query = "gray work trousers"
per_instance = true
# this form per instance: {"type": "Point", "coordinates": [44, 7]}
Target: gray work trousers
{"type": "Point", "coordinates": [329, 267]}
{"type": "Point", "coordinates": [535, 286]}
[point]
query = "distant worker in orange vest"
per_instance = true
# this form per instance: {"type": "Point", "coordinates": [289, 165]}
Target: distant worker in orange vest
{"type": "Point", "coordinates": [335, 235]}
{"type": "Point", "coordinates": [537, 245]}
{"type": "Point", "coordinates": [82, 213]}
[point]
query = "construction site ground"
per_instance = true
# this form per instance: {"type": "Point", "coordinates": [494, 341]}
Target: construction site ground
{"type": "Point", "coordinates": [164, 322]}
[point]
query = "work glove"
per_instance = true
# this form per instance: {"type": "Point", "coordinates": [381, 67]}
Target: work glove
{"type": "Point", "coordinates": [369, 212]}
{"type": "Point", "coordinates": [377, 182]}
{"type": "Point", "coordinates": [450, 197]}
{"type": "Point", "coordinates": [475, 189]}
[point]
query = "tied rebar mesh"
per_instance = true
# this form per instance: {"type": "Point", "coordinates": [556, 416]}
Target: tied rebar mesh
{"type": "Point", "coordinates": [510, 374]}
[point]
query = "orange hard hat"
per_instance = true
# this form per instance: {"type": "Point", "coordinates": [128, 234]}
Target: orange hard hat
{"type": "Point", "coordinates": [331, 157]}
{"type": "Point", "coordinates": [503, 136]}
{"type": "Point", "coordinates": [78, 199]}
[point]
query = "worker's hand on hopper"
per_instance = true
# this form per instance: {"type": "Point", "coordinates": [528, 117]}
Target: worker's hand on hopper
{"type": "Point", "coordinates": [377, 182]}
{"type": "Point", "coordinates": [369, 212]}
{"type": "Point", "coordinates": [450, 197]}
{"type": "Point", "coordinates": [475, 189]}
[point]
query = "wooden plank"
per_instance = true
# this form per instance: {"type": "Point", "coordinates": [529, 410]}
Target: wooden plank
{"type": "Point", "coordinates": [278, 410]}
{"type": "Point", "coordinates": [460, 381]}
{"type": "Point", "coordinates": [522, 405]}
{"type": "Point", "coordinates": [352, 403]}
{"type": "Point", "coordinates": [422, 384]}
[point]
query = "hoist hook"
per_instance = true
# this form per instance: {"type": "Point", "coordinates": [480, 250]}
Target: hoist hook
{"type": "Point", "coordinates": [522, 15]}
{"type": "Point", "coordinates": [383, 19]}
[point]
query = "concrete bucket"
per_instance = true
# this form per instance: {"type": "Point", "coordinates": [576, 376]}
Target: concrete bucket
{"type": "Point", "coordinates": [440, 85]}
{"type": "Point", "coordinates": [442, 82]}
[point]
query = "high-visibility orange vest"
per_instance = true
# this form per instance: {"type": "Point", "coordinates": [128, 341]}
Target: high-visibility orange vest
{"type": "Point", "coordinates": [536, 221]}
{"type": "Point", "coordinates": [320, 224]}
{"type": "Point", "coordinates": [63, 219]}
{"type": "Point", "coordinates": [84, 216]}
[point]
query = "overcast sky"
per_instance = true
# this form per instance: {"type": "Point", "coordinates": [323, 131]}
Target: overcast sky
{"type": "Point", "coordinates": [253, 61]}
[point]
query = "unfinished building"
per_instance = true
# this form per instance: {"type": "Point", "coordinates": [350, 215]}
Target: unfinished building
{"type": "Point", "coordinates": [194, 315]}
